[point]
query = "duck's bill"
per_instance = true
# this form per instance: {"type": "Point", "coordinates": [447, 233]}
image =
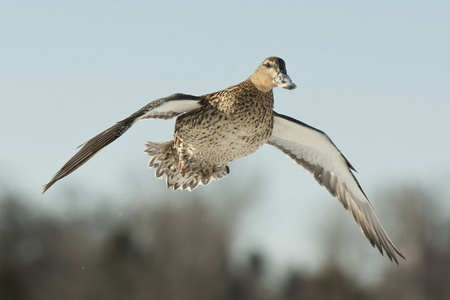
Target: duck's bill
{"type": "Point", "coordinates": [284, 81]}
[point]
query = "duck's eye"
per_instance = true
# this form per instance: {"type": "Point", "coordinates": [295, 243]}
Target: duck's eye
{"type": "Point", "coordinates": [267, 65]}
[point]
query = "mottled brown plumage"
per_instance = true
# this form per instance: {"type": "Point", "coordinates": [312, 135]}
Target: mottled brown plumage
{"type": "Point", "coordinates": [232, 123]}
{"type": "Point", "coordinates": [215, 129]}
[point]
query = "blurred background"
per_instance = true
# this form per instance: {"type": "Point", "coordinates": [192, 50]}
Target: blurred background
{"type": "Point", "coordinates": [373, 76]}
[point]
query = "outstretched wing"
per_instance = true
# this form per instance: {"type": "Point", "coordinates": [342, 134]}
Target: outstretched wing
{"type": "Point", "coordinates": [313, 150]}
{"type": "Point", "coordinates": [163, 108]}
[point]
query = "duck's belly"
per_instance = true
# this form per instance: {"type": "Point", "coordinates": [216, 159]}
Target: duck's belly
{"type": "Point", "coordinates": [217, 140]}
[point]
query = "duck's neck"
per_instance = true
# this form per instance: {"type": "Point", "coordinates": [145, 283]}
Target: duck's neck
{"type": "Point", "coordinates": [263, 84]}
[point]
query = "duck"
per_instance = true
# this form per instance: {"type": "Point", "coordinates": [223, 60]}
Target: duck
{"type": "Point", "coordinates": [215, 129]}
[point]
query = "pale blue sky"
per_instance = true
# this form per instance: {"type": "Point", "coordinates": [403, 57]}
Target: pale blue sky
{"type": "Point", "coordinates": [373, 75]}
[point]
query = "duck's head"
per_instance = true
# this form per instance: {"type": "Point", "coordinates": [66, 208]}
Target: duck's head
{"type": "Point", "coordinates": [272, 73]}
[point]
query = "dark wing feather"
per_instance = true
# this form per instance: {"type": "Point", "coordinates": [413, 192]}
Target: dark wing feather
{"type": "Point", "coordinates": [163, 108]}
{"type": "Point", "coordinates": [313, 150]}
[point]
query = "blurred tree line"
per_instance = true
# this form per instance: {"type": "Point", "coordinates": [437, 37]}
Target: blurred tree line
{"type": "Point", "coordinates": [181, 252]}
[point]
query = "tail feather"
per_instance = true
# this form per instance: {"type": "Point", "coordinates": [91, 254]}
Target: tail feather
{"type": "Point", "coordinates": [165, 162]}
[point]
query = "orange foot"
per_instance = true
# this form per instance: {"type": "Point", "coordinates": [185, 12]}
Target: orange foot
{"type": "Point", "coordinates": [182, 167]}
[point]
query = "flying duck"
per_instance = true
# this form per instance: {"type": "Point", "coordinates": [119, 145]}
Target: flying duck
{"type": "Point", "coordinates": [214, 129]}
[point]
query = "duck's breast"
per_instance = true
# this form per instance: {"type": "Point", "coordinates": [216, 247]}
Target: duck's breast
{"type": "Point", "coordinates": [220, 137]}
